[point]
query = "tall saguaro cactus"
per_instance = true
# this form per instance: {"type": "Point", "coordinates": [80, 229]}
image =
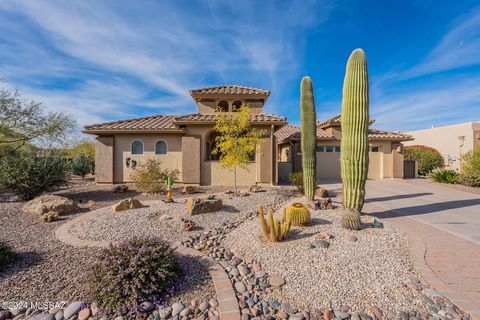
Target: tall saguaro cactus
{"type": "Point", "coordinates": [355, 120]}
{"type": "Point", "coordinates": [308, 116]}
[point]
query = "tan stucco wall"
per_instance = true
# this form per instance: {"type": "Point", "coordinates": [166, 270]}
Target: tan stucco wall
{"type": "Point", "coordinates": [208, 106]}
{"type": "Point", "coordinates": [104, 159]}
{"type": "Point", "coordinates": [445, 140]}
{"type": "Point", "coordinates": [172, 160]}
{"type": "Point", "coordinates": [215, 175]}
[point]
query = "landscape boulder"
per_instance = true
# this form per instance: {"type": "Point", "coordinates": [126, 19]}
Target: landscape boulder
{"type": "Point", "coordinates": [322, 204]}
{"type": "Point", "coordinates": [256, 188]}
{"type": "Point", "coordinates": [126, 204]}
{"type": "Point", "coordinates": [48, 203]}
{"type": "Point", "coordinates": [189, 189]}
{"type": "Point", "coordinates": [120, 188]}
{"type": "Point", "coordinates": [321, 192]}
{"type": "Point", "coordinates": [197, 206]}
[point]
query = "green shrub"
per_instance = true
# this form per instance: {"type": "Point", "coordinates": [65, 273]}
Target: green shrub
{"type": "Point", "coordinates": [28, 174]}
{"type": "Point", "coordinates": [444, 175]}
{"type": "Point", "coordinates": [129, 273]}
{"type": "Point", "coordinates": [6, 254]}
{"type": "Point", "coordinates": [470, 174]}
{"type": "Point", "coordinates": [296, 179]}
{"type": "Point", "coordinates": [81, 165]}
{"type": "Point", "coordinates": [151, 177]}
{"type": "Point", "coordinates": [428, 158]}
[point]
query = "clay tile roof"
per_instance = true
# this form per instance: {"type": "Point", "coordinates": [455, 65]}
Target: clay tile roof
{"type": "Point", "coordinates": [229, 89]}
{"type": "Point", "coordinates": [210, 118]}
{"type": "Point", "coordinates": [150, 123]}
{"type": "Point", "coordinates": [382, 134]}
{"type": "Point", "coordinates": [336, 120]}
{"type": "Point", "coordinates": [288, 132]}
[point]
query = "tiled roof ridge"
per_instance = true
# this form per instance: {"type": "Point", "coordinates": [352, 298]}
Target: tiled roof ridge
{"type": "Point", "coordinates": [130, 120]}
{"type": "Point", "coordinates": [226, 86]}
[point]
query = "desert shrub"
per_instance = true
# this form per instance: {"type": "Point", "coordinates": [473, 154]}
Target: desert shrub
{"type": "Point", "coordinates": [151, 177]}
{"type": "Point", "coordinates": [81, 165]}
{"type": "Point", "coordinates": [6, 254]}
{"type": "Point", "coordinates": [470, 174]}
{"type": "Point", "coordinates": [296, 179]}
{"type": "Point", "coordinates": [444, 175]}
{"type": "Point", "coordinates": [428, 158]}
{"type": "Point", "coordinates": [129, 273]}
{"type": "Point", "coordinates": [28, 174]}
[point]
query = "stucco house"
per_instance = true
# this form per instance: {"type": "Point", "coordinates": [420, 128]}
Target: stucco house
{"type": "Point", "coordinates": [185, 142]}
{"type": "Point", "coordinates": [385, 156]}
{"type": "Point", "coordinates": [451, 141]}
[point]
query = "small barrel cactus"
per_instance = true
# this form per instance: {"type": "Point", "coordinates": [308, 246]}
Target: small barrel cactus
{"type": "Point", "coordinates": [308, 116]}
{"type": "Point", "coordinates": [355, 121]}
{"type": "Point", "coordinates": [298, 214]}
{"type": "Point", "coordinates": [272, 229]}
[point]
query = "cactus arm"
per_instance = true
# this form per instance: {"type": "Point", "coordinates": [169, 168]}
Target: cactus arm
{"type": "Point", "coordinates": [263, 223]}
{"type": "Point", "coordinates": [354, 144]}
{"type": "Point", "coordinates": [309, 137]}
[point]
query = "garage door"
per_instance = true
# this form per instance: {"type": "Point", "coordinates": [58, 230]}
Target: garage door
{"type": "Point", "coordinates": [375, 165]}
{"type": "Point", "coordinates": [328, 165]}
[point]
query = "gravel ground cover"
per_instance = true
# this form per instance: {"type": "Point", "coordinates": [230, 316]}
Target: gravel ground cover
{"type": "Point", "coordinates": [360, 269]}
{"type": "Point", "coordinates": [163, 219]}
{"type": "Point", "coordinates": [48, 270]}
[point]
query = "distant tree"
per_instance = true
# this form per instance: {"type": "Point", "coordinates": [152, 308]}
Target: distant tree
{"type": "Point", "coordinates": [83, 147]}
{"type": "Point", "coordinates": [23, 123]}
{"type": "Point", "coordinates": [428, 158]}
{"type": "Point", "coordinates": [237, 141]}
{"type": "Point", "coordinates": [81, 165]}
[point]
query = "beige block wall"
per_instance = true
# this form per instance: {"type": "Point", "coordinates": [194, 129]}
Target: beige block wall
{"type": "Point", "coordinates": [215, 175]}
{"type": "Point", "coordinates": [104, 159]}
{"type": "Point", "coordinates": [172, 160]}
{"type": "Point", "coordinates": [445, 140]}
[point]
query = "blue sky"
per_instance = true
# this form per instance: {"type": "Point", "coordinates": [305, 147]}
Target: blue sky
{"type": "Point", "coordinates": [105, 60]}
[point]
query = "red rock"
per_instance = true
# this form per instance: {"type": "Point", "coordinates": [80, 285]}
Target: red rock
{"type": "Point", "coordinates": [328, 314]}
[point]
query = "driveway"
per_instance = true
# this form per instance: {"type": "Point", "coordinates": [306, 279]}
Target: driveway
{"type": "Point", "coordinates": [447, 209]}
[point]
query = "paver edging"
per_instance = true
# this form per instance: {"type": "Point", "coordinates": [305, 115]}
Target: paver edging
{"type": "Point", "coordinates": [221, 282]}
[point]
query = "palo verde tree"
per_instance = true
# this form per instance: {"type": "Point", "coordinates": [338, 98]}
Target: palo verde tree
{"type": "Point", "coordinates": [237, 141]}
{"type": "Point", "coordinates": [24, 123]}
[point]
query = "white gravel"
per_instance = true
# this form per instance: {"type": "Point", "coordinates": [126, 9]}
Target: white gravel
{"type": "Point", "coordinates": [369, 272]}
{"type": "Point", "coordinates": [163, 219]}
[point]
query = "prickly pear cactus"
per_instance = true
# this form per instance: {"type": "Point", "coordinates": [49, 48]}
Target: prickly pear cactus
{"type": "Point", "coordinates": [308, 117]}
{"type": "Point", "coordinates": [355, 118]}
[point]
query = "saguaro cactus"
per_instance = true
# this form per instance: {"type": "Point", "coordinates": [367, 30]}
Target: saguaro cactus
{"type": "Point", "coordinates": [355, 118]}
{"type": "Point", "coordinates": [309, 137]}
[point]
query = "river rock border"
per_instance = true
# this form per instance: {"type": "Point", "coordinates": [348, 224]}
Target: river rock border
{"type": "Point", "coordinates": [227, 300]}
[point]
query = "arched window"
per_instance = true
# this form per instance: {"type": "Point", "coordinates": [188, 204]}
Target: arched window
{"type": "Point", "coordinates": [223, 106]}
{"type": "Point", "coordinates": [236, 105]}
{"type": "Point", "coordinates": [137, 147]}
{"type": "Point", "coordinates": [161, 147]}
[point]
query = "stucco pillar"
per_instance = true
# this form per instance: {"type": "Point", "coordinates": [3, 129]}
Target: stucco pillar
{"type": "Point", "coordinates": [191, 159]}
{"type": "Point", "coordinates": [104, 163]}
{"type": "Point", "coordinates": [264, 159]}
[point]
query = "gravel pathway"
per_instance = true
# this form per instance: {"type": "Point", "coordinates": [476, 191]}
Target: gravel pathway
{"type": "Point", "coordinates": [48, 270]}
{"type": "Point", "coordinates": [371, 271]}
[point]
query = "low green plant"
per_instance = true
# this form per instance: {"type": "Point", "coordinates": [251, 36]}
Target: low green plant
{"type": "Point", "coordinates": [28, 174]}
{"type": "Point", "coordinates": [151, 177]}
{"type": "Point", "coordinates": [444, 175]}
{"type": "Point", "coordinates": [129, 273]}
{"type": "Point", "coordinates": [296, 179]}
{"type": "Point", "coordinates": [6, 255]}
{"type": "Point", "coordinates": [428, 158]}
{"type": "Point", "coordinates": [470, 174]}
{"type": "Point", "coordinates": [81, 165]}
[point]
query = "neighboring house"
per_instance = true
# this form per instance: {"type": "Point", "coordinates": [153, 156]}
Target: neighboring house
{"type": "Point", "coordinates": [451, 141]}
{"type": "Point", "coordinates": [385, 156]}
{"type": "Point", "coordinates": [185, 142]}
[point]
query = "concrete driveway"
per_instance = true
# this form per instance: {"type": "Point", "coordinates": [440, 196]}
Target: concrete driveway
{"type": "Point", "coordinates": [447, 209]}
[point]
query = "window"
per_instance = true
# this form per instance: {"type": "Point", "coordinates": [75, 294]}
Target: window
{"type": "Point", "coordinates": [223, 106]}
{"type": "Point", "coordinates": [161, 147]}
{"type": "Point", "coordinates": [374, 149]}
{"type": "Point", "coordinates": [337, 149]}
{"type": "Point", "coordinates": [236, 105]}
{"type": "Point", "coordinates": [320, 149]}
{"type": "Point", "coordinates": [329, 148]}
{"type": "Point", "coordinates": [137, 147]}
